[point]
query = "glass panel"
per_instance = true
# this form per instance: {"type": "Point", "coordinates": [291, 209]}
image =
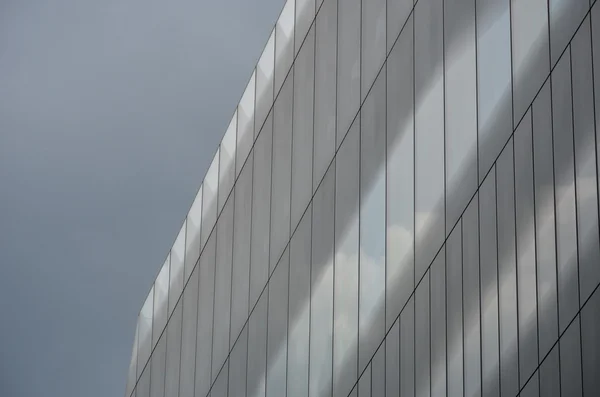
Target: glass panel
{"type": "Point", "coordinates": [257, 348]}
{"type": "Point", "coordinates": [544, 220]}
{"type": "Point", "coordinates": [237, 365]}
{"type": "Point", "coordinates": [284, 43]}
{"type": "Point", "coordinates": [282, 171]}
{"type": "Point", "coordinates": [550, 375]}
{"type": "Point", "coordinates": [188, 336]}
{"type": "Point", "coordinates": [227, 162]}
{"type": "Point", "coordinates": [222, 288]}
{"type": "Point", "coordinates": [429, 133]}
{"type": "Point", "coordinates": [348, 67]}
{"type": "Point", "coordinates": [378, 373]}
{"type": "Point", "coordinates": [461, 107]}
{"type": "Point", "coordinates": [241, 250]}
{"type": "Point", "coordinates": [507, 273]}
{"type": "Point", "coordinates": [325, 84]}
{"type": "Point", "coordinates": [530, 52]}
{"type": "Point", "coordinates": [372, 41]}
{"type": "Point", "coordinates": [372, 223]}
{"type": "Point", "coordinates": [392, 361]}
{"type": "Point", "coordinates": [173, 352]}
{"type": "Point", "coordinates": [277, 330]}
{"type": "Point", "coordinates": [407, 350]}
{"type": "Point", "coordinates": [494, 85]}
{"type": "Point", "coordinates": [132, 374]}
{"type": "Point", "coordinates": [590, 329]}
{"type": "Point", "coordinates": [264, 82]}
{"type": "Point", "coordinates": [176, 270]}
{"type": "Point", "coordinates": [299, 309]}
{"type": "Point", "coordinates": [565, 17]}
{"type": "Point", "coordinates": [489, 287]}
{"type": "Point", "coordinates": [471, 293]}
{"type": "Point", "coordinates": [532, 388]}
{"type": "Point", "coordinates": [585, 166]}
{"type": "Point", "coordinates": [321, 318]}
{"type": "Point", "coordinates": [158, 362]}
{"type": "Point", "coordinates": [526, 264]}
{"type": "Point", "coordinates": [437, 299]}
{"type": "Point", "coordinates": [422, 338]}
{"type": "Point", "coordinates": [397, 12]}
{"type": "Point", "coordinates": [209, 200]}
{"type": "Point", "coordinates": [400, 270]}
{"type": "Point", "coordinates": [192, 235]}
{"type": "Point", "coordinates": [364, 383]}
{"type": "Point", "coordinates": [143, 386]}
{"type": "Point", "coordinates": [302, 134]}
{"type": "Point", "coordinates": [145, 332]}
{"type": "Point", "coordinates": [261, 202]}
{"type": "Point", "coordinates": [595, 15]}
{"type": "Point", "coordinates": [161, 296]}
{"type": "Point", "coordinates": [204, 337]}
{"type": "Point", "coordinates": [219, 389]}
{"type": "Point", "coordinates": [346, 265]}
{"type": "Point", "coordinates": [570, 361]}
{"type": "Point", "coordinates": [305, 13]}
{"type": "Point", "coordinates": [454, 331]}
{"type": "Point", "coordinates": [566, 221]}
{"type": "Point", "coordinates": [245, 134]}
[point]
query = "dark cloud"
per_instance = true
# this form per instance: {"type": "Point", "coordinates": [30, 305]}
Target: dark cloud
{"type": "Point", "coordinates": [110, 113]}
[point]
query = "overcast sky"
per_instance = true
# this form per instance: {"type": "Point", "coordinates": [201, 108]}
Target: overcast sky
{"type": "Point", "coordinates": [110, 113]}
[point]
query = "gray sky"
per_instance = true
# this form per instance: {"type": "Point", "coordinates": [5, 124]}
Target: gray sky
{"type": "Point", "coordinates": [110, 113]}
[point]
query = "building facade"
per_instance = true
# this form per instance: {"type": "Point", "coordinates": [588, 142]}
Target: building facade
{"type": "Point", "coordinates": [405, 203]}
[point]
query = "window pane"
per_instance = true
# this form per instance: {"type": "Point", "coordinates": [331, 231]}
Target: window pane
{"type": "Point", "coordinates": [461, 107]}
{"type": "Point", "coordinates": [241, 250]}
{"type": "Point", "coordinates": [282, 170]}
{"type": "Point", "coordinates": [530, 52]}
{"type": "Point", "coordinates": [321, 319]}
{"type": "Point", "coordinates": [132, 374]}
{"type": "Point", "coordinates": [237, 365]}
{"type": "Point", "coordinates": [302, 134]}
{"type": "Point", "coordinates": [261, 202]}
{"type": "Point", "coordinates": [299, 309]}
{"type": "Point", "coordinates": [277, 331]}
{"type": "Point", "coordinates": [437, 291]}
{"type": "Point", "coordinates": [494, 86]}
{"type": "Point", "coordinates": [565, 17]}
{"type": "Point", "coordinates": [590, 329]}
{"type": "Point", "coordinates": [397, 12]}
{"type": "Point", "coordinates": [526, 277]}
{"type": "Point", "coordinates": [192, 235]}
{"type": "Point", "coordinates": [531, 389]}
{"type": "Point", "coordinates": [222, 288]}
{"type": "Point", "coordinates": [422, 338]}
{"type": "Point", "coordinates": [176, 269]}
{"type": "Point", "coordinates": [392, 361]}
{"type": "Point", "coordinates": [429, 133]}
{"type": "Point", "coordinates": [489, 288]}
{"type": "Point", "coordinates": [549, 375]}
{"type": "Point", "coordinates": [188, 336]}
{"type": "Point", "coordinates": [570, 361]}
{"type": "Point", "coordinates": [257, 348]}
{"type": "Point", "coordinates": [325, 85]}
{"type": "Point", "coordinates": [454, 306]}
{"type": "Point", "coordinates": [284, 43]}
{"type": "Point", "coordinates": [346, 264]}
{"type": "Point", "coordinates": [544, 220]}
{"type": "Point", "coordinates": [364, 383]}
{"type": "Point", "coordinates": [507, 273]}
{"type": "Point", "coordinates": [372, 41]}
{"type": "Point", "coordinates": [209, 199]}
{"type": "Point", "coordinates": [145, 332]}
{"type": "Point", "coordinates": [407, 350]}
{"type": "Point", "coordinates": [227, 162]}
{"type": "Point", "coordinates": [173, 352]}
{"type": "Point", "coordinates": [158, 362]}
{"type": "Point", "coordinates": [471, 314]}
{"type": "Point", "coordinates": [348, 67]}
{"type": "Point", "coordinates": [585, 155]}
{"type": "Point", "coordinates": [566, 226]}
{"type": "Point", "coordinates": [378, 373]}
{"type": "Point", "coordinates": [305, 13]}
{"type": "Point", "coordinates": [143, 386]}
{"type": "Point", "coordinates": [245, 133]}
{"type": "Point", "coordinates": [264, 82]}
{"type": "Point", "coordinates": [205, 317]}
{"type": "Point", "coordinates": [372, 223]}
{"type": "Point", "coordinates": [400, 271]}
{"type": "Point", "coordinates": [219, 389]}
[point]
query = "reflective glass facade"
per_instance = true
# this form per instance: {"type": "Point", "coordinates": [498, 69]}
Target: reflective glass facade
{"type": "Point", "coordinates": [405, 203]}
